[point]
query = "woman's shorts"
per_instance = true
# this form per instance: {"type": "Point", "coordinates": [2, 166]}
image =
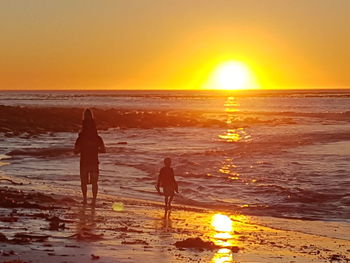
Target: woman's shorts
{"type": "Point", "coordinates": [89, 174]}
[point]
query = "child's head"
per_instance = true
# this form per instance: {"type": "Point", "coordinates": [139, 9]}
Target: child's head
{"type": "Point", "coordinates": [167, 162]}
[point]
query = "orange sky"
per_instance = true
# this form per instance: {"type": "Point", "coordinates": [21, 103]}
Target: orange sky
{"type": "Point", "coordinates": [152, 44]}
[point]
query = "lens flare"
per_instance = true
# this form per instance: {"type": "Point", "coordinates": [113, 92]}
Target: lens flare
{"type": "Point", "coordinates": [118, 207]}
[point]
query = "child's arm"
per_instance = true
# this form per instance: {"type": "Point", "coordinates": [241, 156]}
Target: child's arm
{"type": "Point", "coordinates": [158, 183]}
{"type": "Point", "coordinates": [175, 183]}
{"type": "Point", "coordinates": [176, 187]}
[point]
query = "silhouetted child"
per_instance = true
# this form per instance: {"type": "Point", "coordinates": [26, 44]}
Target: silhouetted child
{"type": "Point", "coordinates": [166, 179]}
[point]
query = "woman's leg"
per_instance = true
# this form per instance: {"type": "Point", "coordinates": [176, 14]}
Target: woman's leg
{"type": "Point", "coordinates": [83, 183]}
{"type": "Point", "coordinates": [94, 191]}
{"type": "Point", "coordinates": [84, 190]}
{"type": "Point", "coordinates": [94, 182]}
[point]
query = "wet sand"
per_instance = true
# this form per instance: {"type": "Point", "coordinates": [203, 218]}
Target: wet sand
{"type": "Point", "coordinates": [44, 225]}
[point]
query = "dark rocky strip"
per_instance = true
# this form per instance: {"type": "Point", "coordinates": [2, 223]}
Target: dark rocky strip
{"type": "Point", "coordinates": [15, 120]}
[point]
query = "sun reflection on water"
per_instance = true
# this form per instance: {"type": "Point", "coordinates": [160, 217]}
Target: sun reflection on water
{"type": "Point", "coordinates": [233, 134]}
{"type": "Point", "coordinates": [226, 231]}
{"type": "Point", "coordinates": [224, 255]}
{"type": "Point", "coordinates": [227, 168]}
{"type": "Point", "coordinates": [222, 223]}
{"type": "Point", "coordinates": [223, 236]}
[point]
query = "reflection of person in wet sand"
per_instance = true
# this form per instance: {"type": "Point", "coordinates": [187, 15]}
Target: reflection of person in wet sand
{"type": "Point", "coordinates": [166, 179]}
{"type": "Point", "coordinates": [86, 224]}
{"type": "Point", "coordinates": [89, 144]}
{"type": "Point", "coordinates": [167, 224]}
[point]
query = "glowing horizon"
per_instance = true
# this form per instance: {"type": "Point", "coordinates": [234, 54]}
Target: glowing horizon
{"type": "Point", "coordinates": [154, 45]}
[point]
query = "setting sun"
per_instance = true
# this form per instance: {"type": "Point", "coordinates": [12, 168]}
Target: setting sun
{"type": "Point", "coordinates": [231, 75]}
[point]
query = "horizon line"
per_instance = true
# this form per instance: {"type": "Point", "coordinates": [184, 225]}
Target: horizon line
{"type": "Point", "coordinates": [200, 90]}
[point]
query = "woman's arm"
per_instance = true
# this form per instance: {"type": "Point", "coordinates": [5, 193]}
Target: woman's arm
{"type": "Point", "coordinates": [101, 147]}
{"type": "Point", "coordinates": [77, 146]}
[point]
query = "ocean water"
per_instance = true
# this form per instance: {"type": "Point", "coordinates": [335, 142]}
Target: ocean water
{"type": "Point", "coordinates": [281, 153]}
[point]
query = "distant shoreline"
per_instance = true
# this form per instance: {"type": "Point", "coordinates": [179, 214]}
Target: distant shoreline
{"type": "Point", "coordinates": [182, 90]}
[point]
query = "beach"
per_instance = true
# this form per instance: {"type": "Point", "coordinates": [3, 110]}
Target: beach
{"type": "Point", "coordinates": [44, 225]}
{"type": "Point", "coordinates": [272, 166]}
{"type": "Point", "coordinates": [162, 131]}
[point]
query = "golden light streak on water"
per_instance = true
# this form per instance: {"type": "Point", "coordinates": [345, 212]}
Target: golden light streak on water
{"type": "Point", "coordinates": [233, 134]}
{"type": "Point", "coordinates": [222, 223]}
{"type": "Point", "coordinates": [228, 168]}
{"type": "Point", "coordinates": [223, 255]}
{"type": "Point", "coordinates": [223, 236]}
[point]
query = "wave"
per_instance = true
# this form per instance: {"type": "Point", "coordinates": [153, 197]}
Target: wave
{"type": "Point", "coordinates": [41, 152]}
{"type": "Point", "coordinates": [296, 93]}
{"type": "Point", "coordinates": [15, 120]}
{"type": "Point", "coordinates": [322, 115]}
{"type": "Point", "coordinates": [322, 206]}
{"type": "Point", "coordinates": [308, 196]}
{"type": "Point", "coordinates": [35, 120]}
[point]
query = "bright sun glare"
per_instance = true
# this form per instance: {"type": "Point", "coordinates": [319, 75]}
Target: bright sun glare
{"type": "Point", "coordinates": [222, 223]}
{"type": "Point", "coordinates": [232, 75]}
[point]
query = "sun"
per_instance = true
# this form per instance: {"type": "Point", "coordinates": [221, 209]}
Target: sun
{"type": "Point", "coordinates": [231, 75]}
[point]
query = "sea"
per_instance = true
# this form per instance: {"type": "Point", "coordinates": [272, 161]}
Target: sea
{"type": "Point", "coordinates": [281, 153]}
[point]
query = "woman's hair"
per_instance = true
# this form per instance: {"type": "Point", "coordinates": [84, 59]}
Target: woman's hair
{"type": "Point", "coordinates": [88, 126]}
{"type": "Point", "coordinates": [88, 115]}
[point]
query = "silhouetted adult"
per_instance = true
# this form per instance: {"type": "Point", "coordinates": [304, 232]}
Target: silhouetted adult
{"type": "Point", "coordinates": [89, 144]}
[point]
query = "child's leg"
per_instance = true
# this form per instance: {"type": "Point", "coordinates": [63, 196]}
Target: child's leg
{"type": "Point", "coordinates": [170, 200]}
{"type": "Point", "coordinates": [166, 202]}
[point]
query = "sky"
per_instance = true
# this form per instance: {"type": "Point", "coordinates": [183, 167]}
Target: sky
{"type": "Point", "coordinates": [172, 44]}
